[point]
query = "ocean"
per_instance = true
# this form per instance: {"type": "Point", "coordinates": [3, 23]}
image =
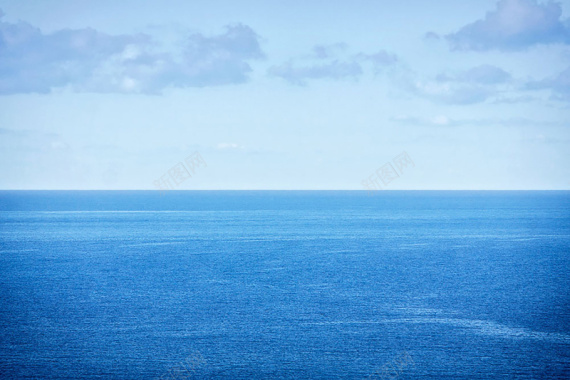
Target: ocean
{"type": "Point", "coordinates": [284, 285]}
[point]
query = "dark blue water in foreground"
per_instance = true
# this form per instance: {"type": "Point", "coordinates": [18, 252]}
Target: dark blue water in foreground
{"type": "Point", "coordinates": [285, 285]}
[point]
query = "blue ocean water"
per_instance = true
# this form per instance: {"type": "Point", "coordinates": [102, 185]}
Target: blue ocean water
{"type": "Point", "coordinates": [284, 285]}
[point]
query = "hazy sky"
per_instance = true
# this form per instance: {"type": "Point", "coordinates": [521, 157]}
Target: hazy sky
{"type": "Point", "coordinates": [285, 94]}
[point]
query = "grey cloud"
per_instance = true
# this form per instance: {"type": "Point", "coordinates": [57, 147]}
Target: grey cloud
{"type": "Point", "coordinates": [220, 59]}
{"type": "Point", "coordinates": [92, 61]}
{"type": "Point", "coordinates": [238, 42]}
{"type": "Point", "coordinates": [35, 62]}
{"type": "Point", "coordinates": [514, 25]}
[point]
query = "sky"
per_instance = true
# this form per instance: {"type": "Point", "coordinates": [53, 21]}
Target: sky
{"type": "Point", "coordinates": [310, 95]}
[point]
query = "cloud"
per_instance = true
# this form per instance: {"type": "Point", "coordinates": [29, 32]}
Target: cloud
{"type": "Point", "coordinates": [514, 25]}
{"type": "Point", "coordinates": [452, 93]}
{"type": "Point", "coordinates": [299, 75]}
{"type": "Point", "coordinates": [514, 99]}
{"type": "Point", "coordinates": [379, 60]}
{"type": "Point", "coordinates": [91, 61]}
{"type": "Point", "coordinates": [475, 85]}
{"type": "Point", "coordinates": [20, 140]}
{"type": "Point", "coordinates": [439, 120]}
{"type": "Point", "coordinates": [483, 74]}
{"type": "Point", "coordinates": [221, 59]}
{"type": "Point", "coordinates": [329, 51]}
{"type": "Point", "coordinates": [431, 36]}
{"type": "Point", "coordinates": [442, 120]}
{"type": "Point", "coordinates": [35, 62]}
{"type": "Point", "coordinates": [559, 85]}
{"type": "Point", "coordinates": [542, 139]}
{"type": "Point", "coordinates": [330, 62]}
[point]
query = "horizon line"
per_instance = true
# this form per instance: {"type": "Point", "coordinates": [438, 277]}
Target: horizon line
{"type": "Point", "coordinates": [352, 190]}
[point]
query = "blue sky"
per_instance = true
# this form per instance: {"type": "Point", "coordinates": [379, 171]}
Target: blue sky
{"type": "Point", "coordinates": [285, 95]}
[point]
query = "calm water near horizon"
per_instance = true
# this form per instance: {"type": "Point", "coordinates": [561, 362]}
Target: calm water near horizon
{"type": "Point", "coordinates": [285, 285]}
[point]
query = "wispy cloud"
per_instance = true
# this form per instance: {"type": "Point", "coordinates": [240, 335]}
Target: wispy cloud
{"type": "Point", "coordinates": [380, 60]}
{"type": "Point", "coordinates": [229, 146]}
{"type": "Point", "coordinates": [329, 51]}
{"type": "Point", "coordinates": [558, 84]}
{"type": "Point", "coordinates": [439, 120]}
{"type": "Point", "coordinates": [483, 74]}
{"type": "Point", "coordinates": [514, 25]}
{"type": "Point", "coordinates": [450, 92]}
{"type": "Point", "coordinates": [474, 85]}
{"type": "Point", "coordinates": [445, 121]}
{"type": "Point", "coordinates": [31, 140]}
{"type": "Point", "coordinates": [92, 61]}
{"type": "Point", "coordinates": [300, 74]}
{"type": "Point", "coordinates": [330, 62]}
{"type": "Point", "coordinates": [463, 94]}
{"type": "Point", "coordinates": [431, 36]}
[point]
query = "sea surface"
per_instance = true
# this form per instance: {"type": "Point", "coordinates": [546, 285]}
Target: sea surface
{"type": "Point", "coordinates": [284, 285]}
